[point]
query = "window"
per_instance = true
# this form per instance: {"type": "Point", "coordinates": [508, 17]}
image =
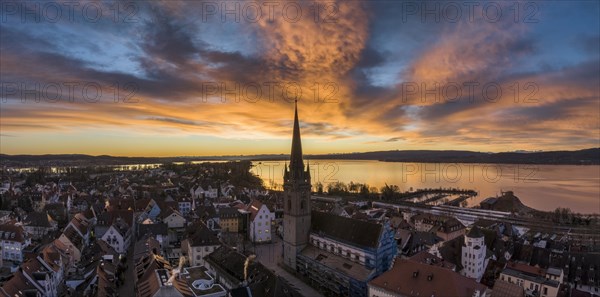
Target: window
{"type": "Point", "coordinates": [545, 290]}
{"type": "Point", "coordinates": [289, 205]}
{"type": "Point", "coordinates": [302, 204]}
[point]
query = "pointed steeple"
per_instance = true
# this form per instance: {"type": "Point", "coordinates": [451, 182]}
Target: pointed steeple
{"type": "Point", "coordinates": [296, 163]}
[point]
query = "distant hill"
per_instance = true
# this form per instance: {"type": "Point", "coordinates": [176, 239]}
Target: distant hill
{"type": "Point", "coordinates": [580, 157]}
{"type": "Point", "coordinates": [86, 160]}
{"type": "Point", "coordinates": [586, 156]}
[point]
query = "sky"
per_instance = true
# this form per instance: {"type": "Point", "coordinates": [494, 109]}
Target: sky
{"type": "Point", "coordinates": [197, 78]}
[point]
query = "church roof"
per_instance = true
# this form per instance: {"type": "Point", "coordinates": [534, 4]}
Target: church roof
{"type": "Point", "coordinates": [296, 167]}
{"type": "Point", "coordinates": [351, 231]}
{"type": "Point", "coordinates": [296, 163]}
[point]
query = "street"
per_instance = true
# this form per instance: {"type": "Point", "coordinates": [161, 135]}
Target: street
{"type": "Point", "coordinates": [127, 288]}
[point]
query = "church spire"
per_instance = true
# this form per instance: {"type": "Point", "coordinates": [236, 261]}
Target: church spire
{"type": "Point", "coordinates": [296, 162]}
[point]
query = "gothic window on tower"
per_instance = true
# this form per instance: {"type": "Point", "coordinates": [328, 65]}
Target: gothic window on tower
{"type": "Point", "coordinates": [302, 204]}
{"type": "Point", "coordinates": [289, 205]}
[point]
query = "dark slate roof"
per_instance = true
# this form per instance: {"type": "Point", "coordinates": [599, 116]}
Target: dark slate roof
{"type": "Point", "coordinates": [232, 263]}
{"type": "Point", "coordinates": [420, 239]}
{"type": "Point", "coordinates": [261, 281]}
{"type": "Point", "coordinates": [228, 260]}
{"type": "Point", "coordinates": [38, 219]}
{"type": "Point", "coordinates": [154, 229]}
{"type": "Point", "coordinates": [199, 234]}
{"type": "Point", "coordinates": [475, 232]}
{"type": "Point", "coordinates": [451, 251]}
{"type": "Point", "coordinates": [228, 212]}
{"type": "Point", "coordinates": [351, 231]}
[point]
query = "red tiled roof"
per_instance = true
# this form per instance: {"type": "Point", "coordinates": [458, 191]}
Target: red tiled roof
{"type": "Point", "coordinates": [17, 285]}
{"type": "Point", "coordinates": [526, 268]}
{"type": "Point", "coordinates": [253, 208]}
{"type": "Point", "coordinates": [411, 278]}
{"type": "Point", "coordinates": [11, 232]}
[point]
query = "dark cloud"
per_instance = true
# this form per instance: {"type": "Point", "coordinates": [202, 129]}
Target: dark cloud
{"type": "Point", "coordinates": [165, 41]}
{"type": "Point", "coordinates": [170, 55]}
{"type": "Point", "coordinates": [394, 139]}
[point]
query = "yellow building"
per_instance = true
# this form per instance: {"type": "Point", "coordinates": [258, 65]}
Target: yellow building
{"type": "Point", "coordinates": [229, 219]}
{"type": "Point", "coordinates": [532, 279]}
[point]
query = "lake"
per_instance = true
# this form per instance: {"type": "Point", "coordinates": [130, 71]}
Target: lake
{"type": "Point", "coordinates": [543, 187]}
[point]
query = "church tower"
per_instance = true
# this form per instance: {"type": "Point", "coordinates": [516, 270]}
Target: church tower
{"type": "Point", "coordinates": [296, 201]}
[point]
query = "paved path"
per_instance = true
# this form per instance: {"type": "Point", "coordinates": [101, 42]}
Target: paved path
{"type": "Point", "coordinates": [270, 254]}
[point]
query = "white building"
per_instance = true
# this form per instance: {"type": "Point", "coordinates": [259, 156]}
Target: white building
{"type": "Point", "coordinates": [118, 236]}
{"type": "Point", "coordinates": [116, 228]}
{"type": "Point", "coordinates": [173, 218]}
{"type": "Point", "coordinates": [185, 205]}
{"type": "Point", "coordinates": [199, 192]}
{"type": "Point", "coordinates": [474, 251]}
{"type": "Point", "coordinates": [13, 240]}
{"type": "Point", "coordinates": [200, 242]}
{"type": "Point", "coordinates": [34, 278]}
{"type": "Point", "coordinates": [39, 224]}
{"type": "Point", "coordinates": [260, 222]}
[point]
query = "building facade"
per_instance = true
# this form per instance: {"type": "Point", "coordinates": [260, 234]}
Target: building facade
{"type": "Point", "coordinates": [533, 280]}
{"type": "Point", "coordinates": [200, 242]}
{"type": "Point", "coordinates": [229, 219]}
{"type": "Point", "coordinates": [474, 251]}
{"type": "Point", "coordinates": [13, 240]}
{"type": "Point", "coordinates": [344, 254]}
{"type": "Point", "coordinates": [261, 219]}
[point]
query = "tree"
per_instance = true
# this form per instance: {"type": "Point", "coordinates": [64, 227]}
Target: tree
{"type": "Point", "coordinates": [319, 187]}
{"type": "Point", "coordinates": [389, 192]}
{"type": "Point", "coordinates": [364, 191]}
{"type": "Point", "coordinates": [337, 188]}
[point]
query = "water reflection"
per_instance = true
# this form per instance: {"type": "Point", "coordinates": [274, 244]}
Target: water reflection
{"type": "Point", "coordinates": [543, 187]}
